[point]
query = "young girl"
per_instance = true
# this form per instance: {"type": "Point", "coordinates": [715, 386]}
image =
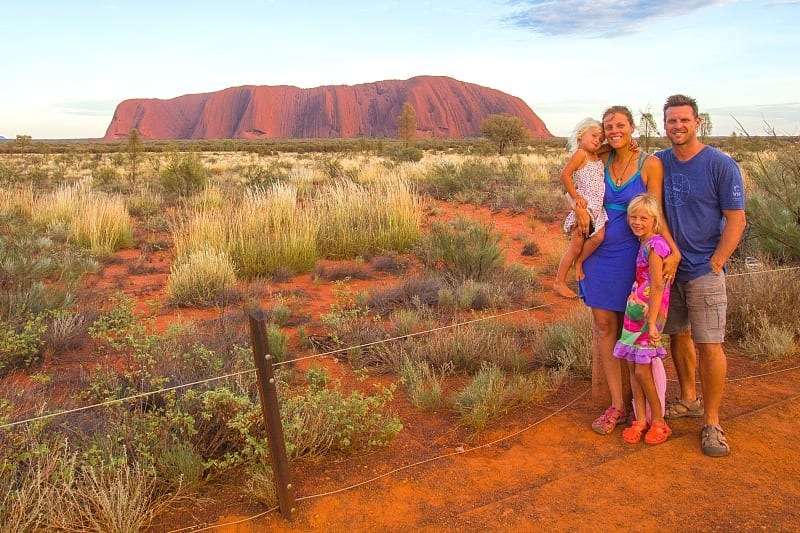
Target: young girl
{"type": "Point", "coordinates": [640, 343]}
{"type": "Point", "coordinates": [583, 180]}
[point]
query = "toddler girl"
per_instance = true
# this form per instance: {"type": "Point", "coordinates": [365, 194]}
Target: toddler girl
{"type": "Point", "coordinates": [583, 179]}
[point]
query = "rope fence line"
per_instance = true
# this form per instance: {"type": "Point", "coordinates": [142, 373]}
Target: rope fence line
{"type": "Point", "coordinates": [341, 350]}
{"type": "Point", "coordinates": [194, 528]}
{"type": "Point", "coordinates": [761, 271]}
{"type": "Point", "coordinates": [235, 374]}
{"type": "Point", "coordinates": [313, 356]}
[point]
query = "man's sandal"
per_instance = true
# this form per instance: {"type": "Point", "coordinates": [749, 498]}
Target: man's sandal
{"type": "Point", "coordinates": [679, 409]}
{"type": "Point", "coordinates": [658, 433]}
{"type": "Point", "coordinates": [633, 434]}
{"type": "Point", "coordinates": [713, 441]}
{"type": "Point", "coordinates": [606, 422]}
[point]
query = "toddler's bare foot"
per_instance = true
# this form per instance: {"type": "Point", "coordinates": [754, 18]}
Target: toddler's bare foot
{"type": "Point", "coordinates": [579, 275]}
{"type": "Point", "coordinates": [562, 290]}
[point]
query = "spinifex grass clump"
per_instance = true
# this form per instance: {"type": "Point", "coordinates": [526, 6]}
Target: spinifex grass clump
{"type": "Point", "coordinates": [492, 391]}
{"type": "Point", "coordinates": [268, 230]}
{"type": "Point", "coordinates": [362, 220]}
{"type": "Point", "coordinates": [203, 278]}
{"type": "Point", "coordinates": [95, 221]}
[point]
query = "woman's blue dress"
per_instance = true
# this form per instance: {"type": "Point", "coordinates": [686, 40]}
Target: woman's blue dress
{"type": "Point", "coordinates": [611, 269]}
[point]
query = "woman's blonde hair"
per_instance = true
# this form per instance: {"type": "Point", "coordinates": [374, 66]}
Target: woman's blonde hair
{"type": "Point", "coordinates": [580, 128]}
{"type": "Point", "coordinates": [649, 203]}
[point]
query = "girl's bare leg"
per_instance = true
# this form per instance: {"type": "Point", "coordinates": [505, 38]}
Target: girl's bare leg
{"type": "Point", "coordinates": [589, 246]}
{"type": "Point", "coordinates": [572, 252]}
{"type": "Point", "coordinates": [639, 397]}
{"type": "Point", "coordinates": [644, 377]}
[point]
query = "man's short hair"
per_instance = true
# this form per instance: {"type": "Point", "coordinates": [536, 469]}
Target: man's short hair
{"type": "Point", "coordinates": [677, 100]}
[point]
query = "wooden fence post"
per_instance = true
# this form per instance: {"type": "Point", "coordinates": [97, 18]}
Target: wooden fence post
{"type": "Point", "coordinates": [268, 391]}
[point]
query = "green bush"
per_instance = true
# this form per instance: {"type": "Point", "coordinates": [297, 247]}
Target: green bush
{"type": "Point", "coordinates": [407, 154]}
{"type": "Point", "coordinates": [184, 174]}
{"type": "Point", "coordinates": [464, 248]}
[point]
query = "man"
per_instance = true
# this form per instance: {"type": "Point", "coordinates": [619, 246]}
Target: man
{"type": "Point", "coordinates": [704, 207]}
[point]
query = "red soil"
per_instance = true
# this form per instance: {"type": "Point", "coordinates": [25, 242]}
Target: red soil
{"type": "Point", "coordinates": [538, 467]}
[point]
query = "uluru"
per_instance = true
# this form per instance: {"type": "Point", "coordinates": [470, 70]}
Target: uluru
{"type": "Point", "coordinates": [445, 107]}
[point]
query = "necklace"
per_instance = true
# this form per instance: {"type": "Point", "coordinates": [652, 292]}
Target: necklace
{"type": "Point", "coordinates": [617, 178]}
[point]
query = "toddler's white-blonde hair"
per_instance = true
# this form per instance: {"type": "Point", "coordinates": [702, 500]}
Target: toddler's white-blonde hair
{"type": "Point", "coordinates": [581, 128]}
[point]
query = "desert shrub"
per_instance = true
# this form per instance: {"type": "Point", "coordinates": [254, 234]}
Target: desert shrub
{"type": "Point", "coordinates": [204, 278]}
{"type": "Point", "coordinates": [341, 271]}
{"type": "Point", "coordinates": [424, 382]}
{"type": "Point", "coordinates": [105, 176]}
{"type": "Point", "coordinates": [183, 175]}
{"type": "Point", "coordinates": [547, 200]}
{"type": "Point", "coordinates": [566, 345]}
{"type": "Point", "coordinates": [763, 319]}
{"type": "Point", "coordinates": [263, 176]}
{"type": "Point", "coordinates": [406, 154]}
{"type": "Point", "coordinates": [326, 420]}
{"type": "Point", "coordinates": [21, 342]}
{"type": "Point", "coordinates": [65, 330]}
{"type": "Point", "coordinates": [145, 202]}
{"type": "Point", "coordinates": [278, 343]}
{"type": "Point", "coordinates": [464, 249]}
{"type": "Point", "coordinates": [767, 341]}
{"type": "Point", "coordinates": [489, 393]}
{"type": "Point", "coordinates": [389, 262]}
{"type": "Point", "coordinates": [405, 321]}
{"type": "Point", "coordinates": [38, 278]}
{"type": "Point", "coordinates": [466, 348]}
{"type": "Point", "coordinates": [412, 293]}
{"type": "Point", "coordinates": [181, 466]}
{"type": "Point", "coordinates": [260, 484]}
{"type": "Point", "coordinates": [773, 205]}
{"type": "Point", "coordinates": [122, 499]}
{"type": "Point", "coordinates": [31, 491]}
{"type": "Point", "coordinates": [451, 181]}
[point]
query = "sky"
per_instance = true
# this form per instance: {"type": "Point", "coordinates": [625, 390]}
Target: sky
{"type": "Point", "coordinates": [67, 64]}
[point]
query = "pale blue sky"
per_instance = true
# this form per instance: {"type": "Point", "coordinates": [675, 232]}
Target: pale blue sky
{"type": "Point", "coordinates": [67, 64]}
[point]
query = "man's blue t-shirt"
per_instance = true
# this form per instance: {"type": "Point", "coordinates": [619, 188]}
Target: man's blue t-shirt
{"type": "Point", "coordinates": [695, 194]}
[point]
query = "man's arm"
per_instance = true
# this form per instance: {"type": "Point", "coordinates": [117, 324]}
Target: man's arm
{"type": "Point", "coordinates": [735, 223]}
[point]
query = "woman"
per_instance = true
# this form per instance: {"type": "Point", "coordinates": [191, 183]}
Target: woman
{"type": "Point", "coordinates": [609, 272]}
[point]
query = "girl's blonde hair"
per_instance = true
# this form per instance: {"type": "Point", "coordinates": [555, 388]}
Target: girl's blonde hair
{"type": "Point", "coordinates": [649, 203]}
{"type": "Point", "coordinates": [580, 128]}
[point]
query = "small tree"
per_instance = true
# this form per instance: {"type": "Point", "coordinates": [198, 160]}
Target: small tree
{"type": "Point", "coordinates": [705, 126]}
{"type": "Point", "coordinates": [648, 128]}
{"type": "Point", "coordinates": [504, 131]}
{"type": "Point", "coordinates": [134, 148]}
{"type": "Point", "coordinates": [407, 124]}
{"type": "Point", "coordinates": [23, 141]}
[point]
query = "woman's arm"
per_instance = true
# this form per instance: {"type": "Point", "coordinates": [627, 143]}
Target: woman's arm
{"type": "Point", "coordinates": [653, 177]}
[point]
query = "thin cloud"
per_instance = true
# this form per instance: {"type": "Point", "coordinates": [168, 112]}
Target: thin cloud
{"type": "Point", "coordinates": [597, 19]}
